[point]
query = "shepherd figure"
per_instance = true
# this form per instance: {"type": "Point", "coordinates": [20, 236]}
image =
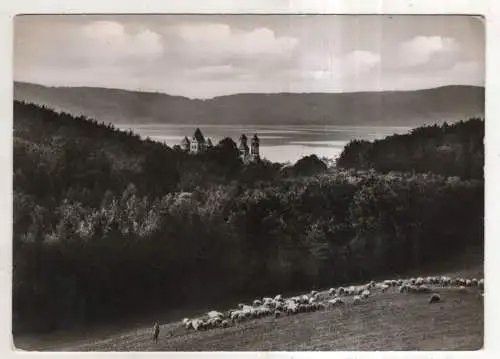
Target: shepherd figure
{"type": "Point", "coordinates": [156, 330]}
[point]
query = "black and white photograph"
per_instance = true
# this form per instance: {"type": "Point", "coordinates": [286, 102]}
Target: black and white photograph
{"type": "Point", "coordinates": [248, 182]}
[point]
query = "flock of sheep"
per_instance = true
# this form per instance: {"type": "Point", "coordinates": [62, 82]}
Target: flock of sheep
{"type": "Point", "coordinates": [279, 306]}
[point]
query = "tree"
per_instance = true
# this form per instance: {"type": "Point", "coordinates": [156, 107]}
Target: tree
{"type": "Point", "coordinates": [309, 165]}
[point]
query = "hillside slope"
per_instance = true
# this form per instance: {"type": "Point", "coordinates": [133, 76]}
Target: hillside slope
{"type": "Point", "coordinates": [409, 108]}
{"type": "Point", "coordinates": [457, 323]}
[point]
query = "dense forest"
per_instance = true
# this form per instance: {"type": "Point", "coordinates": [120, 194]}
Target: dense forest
{"type": "Point", "coordinates": [106, 224]}
{"type": "Point", "coordinates": [450, 150]}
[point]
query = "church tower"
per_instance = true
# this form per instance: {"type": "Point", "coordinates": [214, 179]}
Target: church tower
{"type": "Point", "coordinates": [185, 144]}
{"type": "Point", "coordinates": [254, 150]}
{"type": "Point", "coordinates": [243, 147]}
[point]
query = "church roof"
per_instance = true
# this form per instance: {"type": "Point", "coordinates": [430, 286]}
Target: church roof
{"type": "Point", "coordinates": [209, 142]}
{"type": "Point", "coordinates": [255, 138]}
{"type": "Point", "coordinates": [198, 136]}
{"type": "Point", "coordinates": [185, 141]}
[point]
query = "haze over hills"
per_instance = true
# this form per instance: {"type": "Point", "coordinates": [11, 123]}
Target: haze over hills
{"type": "Point", "coordinates": [395, 108]}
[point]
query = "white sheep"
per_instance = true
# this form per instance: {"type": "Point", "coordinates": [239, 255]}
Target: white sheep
{"type": "Point", "coordinates": [277, 314]}
{"type": "Point", "coordinates": [197, 324]}
{"type": "Point", "coordinates": [246, 314]}
{"type": "Point", "coordinates": [215, 314]}
{"type": "Point", "coordinates": [256, 313]}
{"type": "Point", "coordinates": [234, 314]}
{"type": "Point", "coordinates": [239, 315]}
{"type": "Point", "coordinates": [273, 304]}
{"type": "Point", "coordinates": [332, 291]}
{"type": "Point", "coordinates": [385, 288]}
{"type": "Point", "coordinates": [334, 302]}
{"type": "Point", "coordinates": [365, 293]}
{"type": "Point", "coordinates": [214, 322]}
{"type": "Point", "coordinates": [265, 311]}
{"type": "Point", "coordinates": [480, 283]}
{"type": "Point", "coordinates": [291, 307]}
{"type": "Point", "coordinates": [279, 298]}
{"type": "Point", "coordinates": [356, 299]}
{"type": "Point", "coordinates": [445, 281]}
{"type": "Point", "coordinates": [257, 303]}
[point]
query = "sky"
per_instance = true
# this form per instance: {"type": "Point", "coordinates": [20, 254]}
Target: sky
{"type": "Point", "coordinates": [203, 56]}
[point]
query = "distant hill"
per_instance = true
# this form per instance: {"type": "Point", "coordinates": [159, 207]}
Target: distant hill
{"type": "Point", "coordinates": [398, 108]}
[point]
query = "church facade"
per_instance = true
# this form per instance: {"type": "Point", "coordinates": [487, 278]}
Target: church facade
{"type": "Point", "coordinates": [249, 154]}
{"type": "Point", "coordinates": [198, 144]}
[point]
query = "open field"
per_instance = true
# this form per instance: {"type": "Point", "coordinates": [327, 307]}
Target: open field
{"type": "Point", "coordinates": [385, 321]}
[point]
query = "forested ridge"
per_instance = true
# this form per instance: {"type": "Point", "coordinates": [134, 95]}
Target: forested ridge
{"type": "Point", "coordinates": [106, 224]}
{"type": "Point", "coordinates": [389, 108]}
{"type": "Point", "coordinates": [450, 150]}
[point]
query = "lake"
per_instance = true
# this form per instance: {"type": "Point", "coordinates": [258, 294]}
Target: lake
{"type": "Point", "coordinates": [278, 143]}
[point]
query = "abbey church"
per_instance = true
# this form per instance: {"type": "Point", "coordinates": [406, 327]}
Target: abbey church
{"type": "Point", "coordinates": [199, 143]}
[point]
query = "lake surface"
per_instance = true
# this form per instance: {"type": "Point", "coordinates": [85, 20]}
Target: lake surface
{"type": "Point", "coordinates": [277, 143]}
